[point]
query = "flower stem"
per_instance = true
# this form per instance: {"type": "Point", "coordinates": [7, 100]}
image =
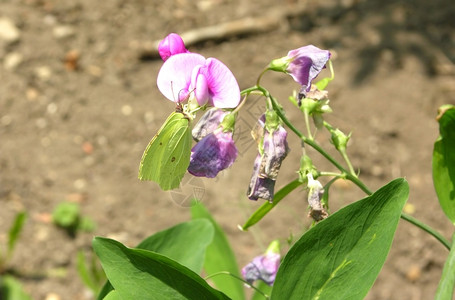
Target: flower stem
{"type": "Point", "coordinates": [426, 228]}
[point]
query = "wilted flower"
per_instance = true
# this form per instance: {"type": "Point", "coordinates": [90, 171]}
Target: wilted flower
{"type": "Point", "coordinates": [171, 45]}
{"type": "Point", "coordinates": [208, 81]}
{"type": "Point", "coordinates": [273, 148]}
{"type": "Point", "coordinates": [260, 185]}
{"type": "Point", "coordinates": [208, 123]}
{"type": "Point", "coordinates": [315, 192]}
{"type": "Point", "coordinates": [264, 267]}
{"type": "Point", "coordinates": [303, 64]}
{"type": "Point", "coordinates": [214, 153]}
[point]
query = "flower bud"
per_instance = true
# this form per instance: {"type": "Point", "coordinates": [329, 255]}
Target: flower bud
{"type": "Point", "coordinates": [338, 138]}
{"type": "Point", "coordinates": [171, 45]}
{"type": "Point", "coordinates": [264, 267]}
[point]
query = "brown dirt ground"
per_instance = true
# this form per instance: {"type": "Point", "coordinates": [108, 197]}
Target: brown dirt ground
{"type": "Point", "coordinates": [78, 134]}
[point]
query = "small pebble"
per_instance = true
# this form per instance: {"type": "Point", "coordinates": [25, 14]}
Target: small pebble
{"type": "Point", "coordinates": [8, 31]}
{"type": "Point", "coordinates": [127, 110]}
{"type": "Point", "coordinates": [80, 184]}
{"type": "Point", "coordinates": [12, 61]}
{"type": "Point", "coordinates": [53, 296]}
{"type": "Point", "coordinates": [6, 120]}
{"type": "Point", "coordinates": [414, 273]}
{"type": "Point", "coordinates": [43, 73]}
{"type": "Point", "coordinates": [51, 108]}
{"type": "Point", "coordinates": [63, 31]}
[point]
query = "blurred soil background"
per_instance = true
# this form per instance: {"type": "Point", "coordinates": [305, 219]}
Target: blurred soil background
{"type": "Point", "coordinates": [79, 104]}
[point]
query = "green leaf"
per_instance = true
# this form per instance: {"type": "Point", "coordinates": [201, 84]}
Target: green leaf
{"type": "Point", "coordinates": [266, 206]}
{"type": "Point", "coordinates": [113, 295]}
{"type": "Point", "coordinates": [66, 215]}
{"type": "Point", "coordinates": [447, 283]}
{"type": "Point", "coordinates": [11, 289]}
{"type": "Point", "coordinates": [341, 256]}
{"type": "Point", "coordinates": [140, 274]}
{"type": "Point", "coordinates": [220, 257]}
{"type": "Point", "coordinates": [15, 231]}
{"type": "Point", "coordinates": [167, 156]}
{"type": "Point", "coordinates": [185, 243]}
{"type": "Point", "coordinates": [444, 161]}
{"type": "Point", "coordinates": [88, 276]}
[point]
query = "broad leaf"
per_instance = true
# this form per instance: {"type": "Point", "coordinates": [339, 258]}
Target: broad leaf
{"type": "Point", "coordinates": [220, 257]}
{"type": "Point", "coordinates": [444, 161]}
{"type": "Point", "coordinates": [185, 243]}
{"type": "Point", "coordinates": [167, 156]}
{"type": "Point", "coordinates": [140, 274]}
{"type": "Point", "coordinates": [340, 257]}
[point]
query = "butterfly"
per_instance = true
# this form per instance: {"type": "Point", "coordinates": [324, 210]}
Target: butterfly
{"type": "Point", "coordinates": [167, 156]}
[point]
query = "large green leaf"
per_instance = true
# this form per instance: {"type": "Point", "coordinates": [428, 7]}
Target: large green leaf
{"type": "Point", "coordinates": [340, 257]}
{"type": "Point", "coordinates": [220, 257]}
{"type": "Point", "coordinates": [185, 243]}
{"type": "Point", "coordinates": [444, 161]}
{"type": "Point", "coordinates": [141, 274]}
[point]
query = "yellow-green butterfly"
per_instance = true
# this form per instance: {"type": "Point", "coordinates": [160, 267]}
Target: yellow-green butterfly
{"type": "Point", "coordinates": [167, 156]}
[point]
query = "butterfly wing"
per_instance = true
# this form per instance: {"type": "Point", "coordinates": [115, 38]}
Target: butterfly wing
{"type": "Point", "coordinates": [167, 156]}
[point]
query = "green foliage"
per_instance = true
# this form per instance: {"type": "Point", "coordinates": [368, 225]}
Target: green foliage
{"type": "Point", "coordinates": [444, 161]}
{"type": "Point", "coordinates": [340, 257]}
{"type": "Point", "coordinates": [67, 215]}
{"type": "Point", "coordinates": [167, 156]}
{"type": "Point", "coordinates": [447, 283]}
{"type": "Point", "coordinates": [11, 289]}
{"type": "Point", "coordinates": [91, 273]}
{"type": "Point", "coordinates": [220, 257]}
{"type": "Point", "coordinates": [185, 243]}
{"type": "Point", "coordinates": [141, 274]}
{"type": "Point", "coordinates": [15, 231]}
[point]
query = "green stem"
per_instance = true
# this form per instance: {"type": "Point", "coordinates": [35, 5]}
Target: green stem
{"type": "Point", "coordinates": [426, 228]}
{"type": "Point", "coordinates": [238, 278]}
{"type": "Point", "coordinates": [348, 162]}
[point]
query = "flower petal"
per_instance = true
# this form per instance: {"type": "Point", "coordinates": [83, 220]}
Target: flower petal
{"type": "Point", "coordinates": [224, 91]}
{"type": "Point", "coordinates": [175, 75]}
{"type": "Point", "coordinates": [171, 45]}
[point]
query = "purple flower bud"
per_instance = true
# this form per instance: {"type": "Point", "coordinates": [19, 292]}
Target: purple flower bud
{"type": "Point", "coordinates": [305, 65]}
{"type": "Point", "coordinates": [171, 45]}
{"type": "Point", "coordinates": [262, 267]}
{"type": "Point", "coordinates": [208, 123]}
{"type": "Point", "coordinates": [214, 153]}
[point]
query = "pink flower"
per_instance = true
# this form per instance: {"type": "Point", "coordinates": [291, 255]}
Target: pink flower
{"type": "Point", "coordinates": [171, 45]}
{"type": "Point", "coordinates": [264, 267]}
{"type": "Point", "coordinates": [209, 81]}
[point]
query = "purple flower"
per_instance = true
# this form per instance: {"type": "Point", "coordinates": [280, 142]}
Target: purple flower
{"type": "Point", "coordinates": [171, 45]}
{"type": "Point", "coordinates": [268, 162]}
{"type": "Point", "coordinates": [305, 65]}
{"type": "Point", "coordinates": [208, 123]}
{"type": "Point", "coordinates": [190, 75]}
{"type": "Point", "coordinates": [264, 267]}
{"type": "Point", "coordinates": [214, 153]}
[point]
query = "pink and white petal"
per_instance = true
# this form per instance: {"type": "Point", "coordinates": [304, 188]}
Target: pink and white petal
{"type": "Point", "coordinates": [223, 87]}
{"type": "Point", "coordinates": [174, 76]}
{"type": "Point", "coordinates": [201, 91]}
